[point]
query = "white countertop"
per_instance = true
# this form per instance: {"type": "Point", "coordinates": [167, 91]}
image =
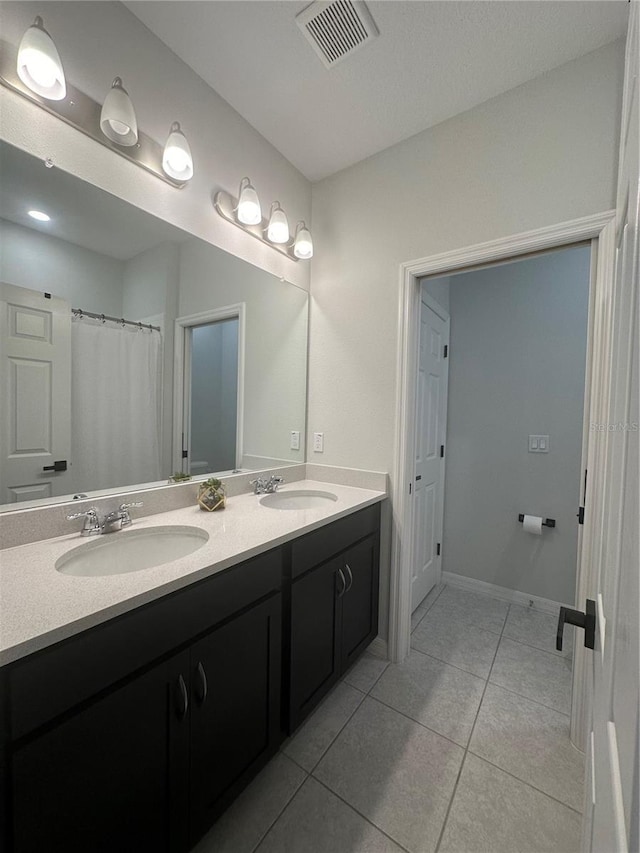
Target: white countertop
{"type": "Point", "coordinates": [40, 606]}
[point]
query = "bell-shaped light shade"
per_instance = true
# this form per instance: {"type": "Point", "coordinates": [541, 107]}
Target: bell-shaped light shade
{"type": "Point", "coordinates": [39, 66]}
{"type": "Point", "coordinates": [249, 212]}
{"type": "Point", "coordinates": [278, 228]}
{"type": "Point", "coordinates": [118, 118]}
{"type": "Point", "coordinates": [303, 244]}
{"type": "Point", "coordinates": [177, 161]}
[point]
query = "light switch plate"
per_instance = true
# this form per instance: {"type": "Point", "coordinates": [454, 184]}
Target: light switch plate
{"type": "Point", "coordinates": [538, 444]}
{"type": "Point", "coordinates": [318, 442]}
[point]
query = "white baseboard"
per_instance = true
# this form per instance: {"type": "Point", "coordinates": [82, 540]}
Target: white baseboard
{"type": "Point", "coordinates": [513, 596]}
{"type": "Point", "coordinates": [379, 648]}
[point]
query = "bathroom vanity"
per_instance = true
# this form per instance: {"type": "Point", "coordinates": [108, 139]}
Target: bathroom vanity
{"type": "Point", "coordinates": [135, 732]}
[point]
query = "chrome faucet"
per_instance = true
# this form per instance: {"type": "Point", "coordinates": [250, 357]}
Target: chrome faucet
{"type": "Point", "coordinates": [110, 523]}
{"type": "Point", "coordinates": [264, 486]}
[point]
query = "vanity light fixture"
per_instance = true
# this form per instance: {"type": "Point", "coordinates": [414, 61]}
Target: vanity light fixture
{"type": "Point", "coordinates": [177, 161]}
{"type": "Point", "coordinates": [38, 65]}
{"type": "Point", "coordinates": [273, 232]}
{"type": "Point", "coordinates": [118, 118]}
{"type": "Point", "coordinates": [39, 215]}
{"type": "Point", "coordinates": [249, 212]}
{"type": "Point", "coordinates": [278, 227]}
{"type": "Point", "coordinates": [303, 244]}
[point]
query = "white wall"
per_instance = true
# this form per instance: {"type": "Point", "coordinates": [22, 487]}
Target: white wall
{"type": "Point", "coordinates": [86, 279]}
{"type": "Point", "coordinates": [540, 154]}
{"type": "Point", "coordinates": [516, 367]}
{"type": "Point", "coordinates": [98, 41]}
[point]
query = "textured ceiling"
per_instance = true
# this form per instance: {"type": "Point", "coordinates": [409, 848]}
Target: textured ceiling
{"type": "Point", "coordinates": [433, 60]}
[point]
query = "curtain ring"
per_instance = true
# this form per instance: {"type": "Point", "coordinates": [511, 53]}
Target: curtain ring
{"type": "Point", "coordinates": [122, 322]}
{"type": "Point", "coordinates": [102, 317]}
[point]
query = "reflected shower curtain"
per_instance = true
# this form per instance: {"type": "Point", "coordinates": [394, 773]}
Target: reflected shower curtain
{"type": "Point", "coordinates": [115, 405]}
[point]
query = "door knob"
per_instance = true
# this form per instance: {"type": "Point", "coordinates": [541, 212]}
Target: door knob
{"type": "Point", "coordinates": [586, 620]}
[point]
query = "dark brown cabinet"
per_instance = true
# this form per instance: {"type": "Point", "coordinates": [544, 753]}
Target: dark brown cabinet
{"type": "Point", "coordinates": [129, 758]}
{"type": "Point", "coordinates": [235, 721]}
{"type": "Point", "coordinates": [109, 777]}
{"type": "Point", "coordinates": [135, 735]}
{"type": "Point", "coordinates": [334, 608]}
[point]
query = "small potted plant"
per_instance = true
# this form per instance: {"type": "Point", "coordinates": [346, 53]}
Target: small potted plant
{"type": "Point", "coordinates": [179, 477]}
{"type": "Point", "coordinates": [211, 494]}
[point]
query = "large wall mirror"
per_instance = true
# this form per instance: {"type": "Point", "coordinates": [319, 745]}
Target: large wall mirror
{"type": "Point", "coordinates": [130, 349]}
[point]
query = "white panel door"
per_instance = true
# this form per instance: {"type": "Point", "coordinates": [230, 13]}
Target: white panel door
{"type": "Point", "coordinates": [611, 815]}
{"type": "Point", "coordinates": [428, 481]}
{"type": "Point", "coordinates": [35, 390]}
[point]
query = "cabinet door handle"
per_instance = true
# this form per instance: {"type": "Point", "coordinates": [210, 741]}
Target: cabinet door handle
{"type": "Point", "coordinates": [182, 705]}
{"type": "Point", "coordinates": [341, 592]}
{"type": "Point", "coordinates": [348, 568]}
{"type": "Point", "coordinates": [201, 684]}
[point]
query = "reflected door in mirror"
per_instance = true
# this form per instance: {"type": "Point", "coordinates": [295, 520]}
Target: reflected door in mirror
{"type": "Point", "coordinates": [35, 390]}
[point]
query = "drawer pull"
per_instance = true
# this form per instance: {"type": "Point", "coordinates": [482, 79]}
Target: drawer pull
{"type": "Point", "coordinates": [343, 589]}
{"type": "Point", "coordinates": [348, 568]}
{"type": "Point", "coordinates": [183, 700]}
{"type": "Point", "coordinates": [201, 684]}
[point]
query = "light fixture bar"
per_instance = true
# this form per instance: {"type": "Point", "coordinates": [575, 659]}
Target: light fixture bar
{"type": "Point", "coordinates": [226, 206]}
{"type": "Point", "coordinates": [83, 113]}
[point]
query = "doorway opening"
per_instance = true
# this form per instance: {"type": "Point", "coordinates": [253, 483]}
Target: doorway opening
{"type": "Point", "coordinates": [599, 232]}
{"type": "Point", "coordinates": [209, 380]}
{"type": "Point", "coordinates": [511, 374]}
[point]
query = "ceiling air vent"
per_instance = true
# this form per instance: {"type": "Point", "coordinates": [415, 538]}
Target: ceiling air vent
{"type": "Point", "coordinates": [337, 29]}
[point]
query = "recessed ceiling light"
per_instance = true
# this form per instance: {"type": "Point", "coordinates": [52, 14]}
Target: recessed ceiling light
{"type": "Point", "coordinates": [39, 215]}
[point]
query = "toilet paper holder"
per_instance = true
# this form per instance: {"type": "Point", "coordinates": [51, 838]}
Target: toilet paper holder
{"type": "Point", "coordinates": [548, 522]}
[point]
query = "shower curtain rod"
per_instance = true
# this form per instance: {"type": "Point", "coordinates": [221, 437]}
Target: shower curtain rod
{"type": "Point", "coordinates": [104, 317]}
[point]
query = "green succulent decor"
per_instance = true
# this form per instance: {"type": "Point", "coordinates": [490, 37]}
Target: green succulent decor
{"type": "Point", "coordinates": [211, 494]}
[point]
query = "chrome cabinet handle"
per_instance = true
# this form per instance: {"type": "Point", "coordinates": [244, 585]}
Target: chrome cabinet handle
{"type": "Point", "coordinates": [344, 583]}
{"type": "Point", "coordinates": [183, 700]}
{"type": "Point", "coordinates": [348, 568]}
{"type": "Point", "coordinates": [88, 513]}
{"type": "Point", "coordinates": [201, 688]}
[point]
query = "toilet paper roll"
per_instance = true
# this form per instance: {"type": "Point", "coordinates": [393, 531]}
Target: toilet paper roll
{"type": "Point", "coordinates": [532, 524]}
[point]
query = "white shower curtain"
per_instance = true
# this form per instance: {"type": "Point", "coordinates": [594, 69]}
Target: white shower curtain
{"type": "Point", "coordinates": [115, 387]}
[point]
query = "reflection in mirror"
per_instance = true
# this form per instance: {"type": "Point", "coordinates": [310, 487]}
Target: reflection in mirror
{"type": "Point", "coordinates": [131, 350]}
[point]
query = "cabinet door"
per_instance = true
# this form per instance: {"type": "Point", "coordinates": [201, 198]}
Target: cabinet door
{"type": "Point", "coordinates": [359, 603]}
{"type": "Point", "coordinates": [315, 629]}
{"type": "Point", "coordinates": [235, 712]}
{"type": "Point", "coordinates": [111, 776]}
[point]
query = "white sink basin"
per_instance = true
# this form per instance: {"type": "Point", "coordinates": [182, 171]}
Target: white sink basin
{"type": "Point", "coordinates": [131, 551]}
{"type": "Point", "coordinates": [298, 499]}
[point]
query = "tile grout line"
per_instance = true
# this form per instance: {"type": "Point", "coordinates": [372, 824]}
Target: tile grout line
{"type": "Point", "coordinates": [350, 806]}
{"type": "Point", "coordinates": [444, 586]}
{"type": "Point", "coordinates": [466, 751]}
{"type": "Point", "coordinates": [282, 810]}
{"type": "Point", "coordinates": [529, 699]}
{"type": "Point", "coordinates": [524, 782]}
{"type": "Point", "coordinates": [417, 722]}
{"type": "Point", "coordinates": [453, 665]}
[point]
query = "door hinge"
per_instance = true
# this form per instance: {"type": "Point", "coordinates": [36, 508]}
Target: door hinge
{"type": "Point", "coordinates": [446, 350]}
{"type": "Point", "coordinates": [409, 488]}
{"type": "Point", "coordinates": [438, 550]}
{"type": "Point", "coordinates": [185, 454]}
{"type": "Point", "coordinates": [584, 499]}
{"type": "Point", "coordinates": [441, 451]}
{"type": "Point", "coordinates": [580, 515]}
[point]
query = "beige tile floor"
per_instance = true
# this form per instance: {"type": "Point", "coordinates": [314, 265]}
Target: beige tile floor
{"type": "Point", "coordinates": [463, 748]}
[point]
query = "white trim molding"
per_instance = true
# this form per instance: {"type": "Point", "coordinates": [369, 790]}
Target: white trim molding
{"type": "Point", "coordinates": [513, 596]}
{"type": "Point", "coordinates": [597, 227]}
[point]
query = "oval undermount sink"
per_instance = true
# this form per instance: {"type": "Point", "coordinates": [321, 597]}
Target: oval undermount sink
{"type": "Point", "coordinates": [298, 499]}
{"type": "Point", "coordinates": [131, 551]}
